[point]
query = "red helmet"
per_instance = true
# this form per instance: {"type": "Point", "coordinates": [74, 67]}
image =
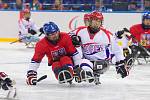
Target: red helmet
{"type": "Point", "coordinates": [86, 16]}
{"type": "Point", "coordinates": [97, 14]}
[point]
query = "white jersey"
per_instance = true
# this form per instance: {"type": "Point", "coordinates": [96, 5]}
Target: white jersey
{"type": "Point", "coordinates": [94, 47]}
{"type": "Point", "coordinates": [24, 25]}
{"type": "Point", "coordinates": [123, 42]}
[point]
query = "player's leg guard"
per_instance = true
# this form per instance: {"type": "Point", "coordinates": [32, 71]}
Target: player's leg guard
{"type": "Point", "coordinates": [63, 70]}
{"type": "Point", "coordinates": [100, 67]}
{"type": "Point", "coordinates": [65, 76]}
{"type": "Point", "coordinates": [84, 72]}
{"type": "Point", "coordinates": [67, 71]}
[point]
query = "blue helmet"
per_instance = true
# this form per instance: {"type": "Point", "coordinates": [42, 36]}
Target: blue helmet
{"type": "Point", "coordinates": [50, 28]}
{"type": "Point", "coordinates": [146, 15]}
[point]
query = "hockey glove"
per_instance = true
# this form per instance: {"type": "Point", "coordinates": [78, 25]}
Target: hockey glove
{"type": "Point", "coordinates": [31, 77]}
{"type": "Point", "coordinates": [121, 69]}
{"type": "Point", "coordinates": [76, 40]}
{"type": "Point", "coordinates": [119, 34]}
{"type": "Point", "coordinates": [6, 84]}
{"type": "Point", "coordinates": [41, 30]}
{"type": "Point", "coordinates": [31, 31]}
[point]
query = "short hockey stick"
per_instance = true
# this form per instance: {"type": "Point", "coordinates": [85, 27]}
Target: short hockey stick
{"type": "Point", "coordinates": [15, 41]}
{"type": "Point", "coordinates": [42, 78]}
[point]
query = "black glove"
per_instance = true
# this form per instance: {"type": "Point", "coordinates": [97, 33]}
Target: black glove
{"type": "Point", "coordinates": [138, 50]}
{"type": "Point", "coordinates": [41, 30]}
{"type": "Point", "coordinates": [76, 40]}
{"type": "Point", "coordinates": [31, 77]}
{"type": "Point", "coordinates": [119, 34]}
{"type": "Point", "coordinates": [121, 69]}
{"type": "Point", "coordinates": [31, 31]}
{"type": "Point", "coordinates": [6, 84]}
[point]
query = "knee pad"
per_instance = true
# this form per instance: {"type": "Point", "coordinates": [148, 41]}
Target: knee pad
{"type": "Point", "coordinates": [57, 68]}
{"type": "Point", "coordinates": [86, 65]}
{"type": "Point", "coordinates": [65, 76]}
{"type": "Point", "coordinates": [86, 76]}
{"type": "Point", "coordinates": [100, 66]}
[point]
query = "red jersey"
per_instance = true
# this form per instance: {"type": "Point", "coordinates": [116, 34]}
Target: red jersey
{"type": "Point", "coordinates": [142, 35]}
{"type": "Point", "coordinates": [64, 47]}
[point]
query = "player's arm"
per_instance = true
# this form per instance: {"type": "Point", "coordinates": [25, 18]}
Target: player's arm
{"type": "Point", "coordinates": [72, 51]}
{"type": "Point", "coordinates": [33, 30]}
{"type": "Point", "coordinates": [34, 64]}
{"type": "Point", "coordinates": [22, 28]}
{"type": "Point", "coordinates": [120, 60]}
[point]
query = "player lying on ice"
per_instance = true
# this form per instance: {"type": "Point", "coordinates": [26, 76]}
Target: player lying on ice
{"type": "Point", "coordinates": [96, 44]}
{"type": "Point", "coordinates": [62, 56]}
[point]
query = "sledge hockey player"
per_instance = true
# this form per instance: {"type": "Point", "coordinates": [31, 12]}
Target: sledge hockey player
{"type": "Point", "coordinates": [140, 46]}
{"type": "Point", "coordinates": [27, 29]}
{"type": "Point", "coordinates": [61, 54]}
{"type": "Point", "coordinates": [95, 41]}
{"type": "Point", "coordinates": [141, 33]}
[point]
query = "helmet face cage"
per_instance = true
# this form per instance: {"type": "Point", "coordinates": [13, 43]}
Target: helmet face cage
{"type": "Point", "coordinates": [50, 28]}
{"type": "Point", "coordinates": [96, 15]}
{"type": "Point", "coordinates": [26, 13]}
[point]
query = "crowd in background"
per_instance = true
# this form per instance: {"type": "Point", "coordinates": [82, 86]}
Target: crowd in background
{"type": "Point", "coordinates": [79, 5]}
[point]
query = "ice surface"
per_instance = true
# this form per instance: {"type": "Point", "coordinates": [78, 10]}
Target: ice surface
{"type": "Point", "coordinates": [15, 58]}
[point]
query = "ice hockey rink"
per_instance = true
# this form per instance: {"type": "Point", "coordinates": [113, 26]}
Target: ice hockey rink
{"type": "Point", "coordinates": [15, 58]}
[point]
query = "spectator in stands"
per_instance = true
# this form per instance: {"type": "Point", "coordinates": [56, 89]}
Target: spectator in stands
{"type": "Point", "coordinates": [67, 4]}
{"type": "Point", "coordinates": [77, 5]}
{"type": "Point", "coordinates": [88, 5]}
{"type": "Point", "coordinates": [147, 5]}
{"type": "Point", "coordinates": [99, 5]}
{"type": "Point", "coordinates": [19, 4]}
{"type": "Point", "coordinates": [1, 4]}
{"type": "Point", "coordinates": [120, 0]}
{"type": "Point", "coordinates": [37, 5]}
{"type": "Point", "coordinates": [120, 5]}
{"type": "Point", "coordinates": [58, 5]}
{"type": "Point", "coordinates": [132, 6]}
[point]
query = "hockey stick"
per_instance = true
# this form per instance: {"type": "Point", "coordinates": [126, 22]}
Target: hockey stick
{"type": "Point", "coordinates": [23, 38]}
{"type": "Point", "coordinates": [129, 34]}
{"type": "Point", "coordinates": [42, 78]}
{"type": "Point", "coordinates": [15, 41]}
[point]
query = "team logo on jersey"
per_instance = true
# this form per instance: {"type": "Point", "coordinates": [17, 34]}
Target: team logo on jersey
{"type": "Point", "coordinates": [145, 40]}
{"type": "Point", "coordinates": [92, 48]}
{"type": "Point", "coordinates": [56, 54]}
